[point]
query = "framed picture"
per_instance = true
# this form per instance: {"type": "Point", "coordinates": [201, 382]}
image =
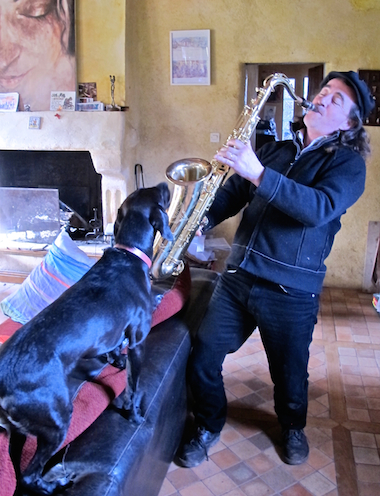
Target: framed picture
{"type": "Point", "coordinates": [8, 102]}
{"type": "Point", "coordinates": [34, 122]}
{"type": "Point", "coordinates": [190, 57]}
{"type": "Point", "coordinates": [62, 100]}
{"type": "Point", "coordinates": [87, 90]}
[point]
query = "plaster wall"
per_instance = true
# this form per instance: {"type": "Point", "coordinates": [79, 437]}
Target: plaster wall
{"type": "Point", "coordinates": [100, 46]}
{"type": "Point", "coordinates": [174, 122]}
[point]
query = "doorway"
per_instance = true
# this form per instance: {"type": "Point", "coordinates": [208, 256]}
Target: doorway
{"type": "Point", "coordinates": [280, 108]}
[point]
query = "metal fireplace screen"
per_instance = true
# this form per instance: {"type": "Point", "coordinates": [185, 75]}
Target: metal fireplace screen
{"type": "Point", "coordinates": [29, 214]}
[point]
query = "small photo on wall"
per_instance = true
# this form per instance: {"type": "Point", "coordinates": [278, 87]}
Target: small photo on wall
{"type": "Point", "coordinates": [87, 90]}
{"type": "Point", "coordinates": [63, 100]}
{"type": "Point", "coordinates": [34, 122]}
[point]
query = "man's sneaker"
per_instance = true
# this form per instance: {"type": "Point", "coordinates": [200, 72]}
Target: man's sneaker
{"type": "Point", "coordinates": [196, 451]}
{"type": "Point", "coordinates": [295, 446]}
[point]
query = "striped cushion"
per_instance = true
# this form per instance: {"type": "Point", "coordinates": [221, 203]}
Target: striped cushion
{"type": "Point", "coordinates": [63, 266]}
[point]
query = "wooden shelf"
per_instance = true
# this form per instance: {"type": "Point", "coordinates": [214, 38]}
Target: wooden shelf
{"type": "Point", "coordinates": [29, 259]}
{"type": "Point", "coordinates": [13, 277]}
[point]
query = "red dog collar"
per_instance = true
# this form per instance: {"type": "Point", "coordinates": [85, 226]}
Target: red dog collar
{"type": "Point", "coordinates": [136, 251]}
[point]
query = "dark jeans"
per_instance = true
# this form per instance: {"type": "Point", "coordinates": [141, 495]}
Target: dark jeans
{"type": "Point", "coordinates": [285, 318]}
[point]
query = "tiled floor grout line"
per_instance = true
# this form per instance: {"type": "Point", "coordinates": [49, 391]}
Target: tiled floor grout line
{"type": "Point", "coordinates": [344, 462]}
{"type": "Point", "coordinates": [343, 455]}
{"type": "Point", "coordinates": [342, 447]}
{"type": "Point", "coordinates": [336, 390]}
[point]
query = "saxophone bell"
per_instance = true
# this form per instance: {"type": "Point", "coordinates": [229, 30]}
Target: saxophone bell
{"type": "Point", "coordinates": [189, 176]}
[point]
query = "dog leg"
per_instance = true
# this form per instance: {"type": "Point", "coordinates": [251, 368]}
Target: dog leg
{"type": "Point", "coordinates": [32, 477]}
{"type": "Point", "coordinates": [49, 438]}
{"type": "Point", "coordinates": [132, 395]}
{"type": "Point", "coordinates": [16, 444]}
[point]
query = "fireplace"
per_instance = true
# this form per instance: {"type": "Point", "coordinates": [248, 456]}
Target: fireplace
{"type": "Point", "coordinates": [107, 139]}
{"type": "Point", "coordinates": [70, 172]}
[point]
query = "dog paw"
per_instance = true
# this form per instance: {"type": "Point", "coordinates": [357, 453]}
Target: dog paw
{"type": "Point", "coordinates": [116, 358]}
{"type": "Point", "coordinates": [119, 363]}
{"type": "Point", "coordinates": [132, 412]}
{"type": "Point", "coordinates": [133, 417]}
{"type": "Point", "coordinates": [127, 411]}
{"type": "Point", "coordinates": [47, 488]}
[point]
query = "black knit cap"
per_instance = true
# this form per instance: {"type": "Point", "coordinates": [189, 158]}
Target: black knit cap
{"type": "Point", "coordinates": [365, 100]}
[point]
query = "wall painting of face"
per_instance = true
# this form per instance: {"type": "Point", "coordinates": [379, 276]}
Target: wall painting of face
{"type": "Point", "coordinates": [37, 50]}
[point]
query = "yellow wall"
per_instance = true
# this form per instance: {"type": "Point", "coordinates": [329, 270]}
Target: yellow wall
{"type": "Point", "coordinates": [100, 46]}
{"type": "Point", "coordinates": [174, 122]}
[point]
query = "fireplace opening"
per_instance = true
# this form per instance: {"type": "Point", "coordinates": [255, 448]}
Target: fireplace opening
{"type": "Point", "coordinates": [71, 172]}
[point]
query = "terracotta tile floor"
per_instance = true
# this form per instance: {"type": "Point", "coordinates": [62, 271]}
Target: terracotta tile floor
{"type": "Point", "coordinates": [343, 423]}
{"type": "Point", "coordinates": [344, 414]}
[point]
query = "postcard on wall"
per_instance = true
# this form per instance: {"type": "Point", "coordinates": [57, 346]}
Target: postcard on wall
{"type": "Point", "coordinates": [9, 102]}
{"type": "Point", "coordinates": [62, 100]}
{"type": "Point", "coordinates": [34, 122]}
{"type": "Point", "coordinates": [87, 90]}
{"type": "Point", "coordinates": [190, 57]}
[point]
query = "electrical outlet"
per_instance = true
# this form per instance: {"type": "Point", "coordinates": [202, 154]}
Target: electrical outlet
{"type": "Point", "coordinates": [214, 137]}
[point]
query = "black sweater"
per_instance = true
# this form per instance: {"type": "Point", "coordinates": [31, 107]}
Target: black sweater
{"type": "Point", "coordinates": [290, 220]}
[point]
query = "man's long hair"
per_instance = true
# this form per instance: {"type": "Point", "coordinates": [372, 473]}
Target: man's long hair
{"type": "Point", "coordinates": [356, 137]}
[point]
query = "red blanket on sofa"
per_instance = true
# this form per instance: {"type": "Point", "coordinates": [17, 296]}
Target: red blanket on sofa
{"type": "Point", "coordinates": [93, 397]}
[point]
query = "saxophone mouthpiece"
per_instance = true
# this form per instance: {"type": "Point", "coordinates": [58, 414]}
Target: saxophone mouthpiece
{"type": "Point", "coordinates": [309, 105]}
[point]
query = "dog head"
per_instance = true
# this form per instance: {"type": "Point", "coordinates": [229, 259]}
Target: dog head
{"type": "Point", "coordinates": [145, 204]}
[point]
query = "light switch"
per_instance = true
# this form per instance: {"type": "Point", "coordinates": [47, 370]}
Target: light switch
{"type": "Point", "coordinates": [214, 137]}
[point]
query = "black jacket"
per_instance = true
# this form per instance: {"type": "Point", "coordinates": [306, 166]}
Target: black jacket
{"type": "Point", "coordinates": [290, 220]}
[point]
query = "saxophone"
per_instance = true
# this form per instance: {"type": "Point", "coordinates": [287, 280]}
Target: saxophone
{"type": "Point", "coordinates": [196, 182]}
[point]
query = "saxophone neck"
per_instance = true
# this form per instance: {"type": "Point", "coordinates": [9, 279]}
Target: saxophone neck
{"type": "Point", "coordinates": [274, 80]}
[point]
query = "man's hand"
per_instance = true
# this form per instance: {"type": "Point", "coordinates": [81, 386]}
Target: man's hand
{"type": "Point", "coordinates": [242, 159]}
{"type": "Point", "coordinates": [202, 225]}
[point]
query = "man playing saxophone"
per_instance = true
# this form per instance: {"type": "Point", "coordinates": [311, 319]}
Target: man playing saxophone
{"type": "Point", "coordinates": [293, 193]}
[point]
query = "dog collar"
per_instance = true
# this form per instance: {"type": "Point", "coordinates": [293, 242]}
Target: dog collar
{"type": "Point", "coordinates": [136, 251]}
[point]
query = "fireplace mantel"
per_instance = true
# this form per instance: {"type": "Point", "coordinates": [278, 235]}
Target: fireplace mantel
{"type": "Point", "coordinates": [108, 136]}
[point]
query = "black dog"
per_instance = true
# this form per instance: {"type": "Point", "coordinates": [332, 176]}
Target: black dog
{"type": "Point", "coordinates": [44, 362]}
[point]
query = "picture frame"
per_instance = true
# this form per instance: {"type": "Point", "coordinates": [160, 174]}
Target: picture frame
{"type": "Point", "coordinates": [34, 122]}
{"type": "Point", "coordinates": [87, 90]}
{"type": "Point", "coordinates": [63, 100]}
{"type": "Point", "coordinates": [190, 57]}
{"type": "Point", "coordinates": [9, 102]}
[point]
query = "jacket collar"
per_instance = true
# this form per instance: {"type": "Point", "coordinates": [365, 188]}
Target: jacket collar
{"type": "Point", "coordinates": [298, 134]}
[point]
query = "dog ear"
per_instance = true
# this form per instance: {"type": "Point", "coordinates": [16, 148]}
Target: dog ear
{"type": "Point", "coordinates": [160, 221]}
{"type": "Point", "coordinates": [165, 193]}
{"type": "Point", "coordinates": [120, 216]}
{"type": "Point", "coordinates": [116, 225]}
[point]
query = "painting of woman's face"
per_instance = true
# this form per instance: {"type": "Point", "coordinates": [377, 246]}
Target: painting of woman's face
{"type": "Point", "coordinates": [36, 49]}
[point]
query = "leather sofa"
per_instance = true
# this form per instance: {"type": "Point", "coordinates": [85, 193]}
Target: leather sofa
{"type": "Point", "coordinates": [114, 457]}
